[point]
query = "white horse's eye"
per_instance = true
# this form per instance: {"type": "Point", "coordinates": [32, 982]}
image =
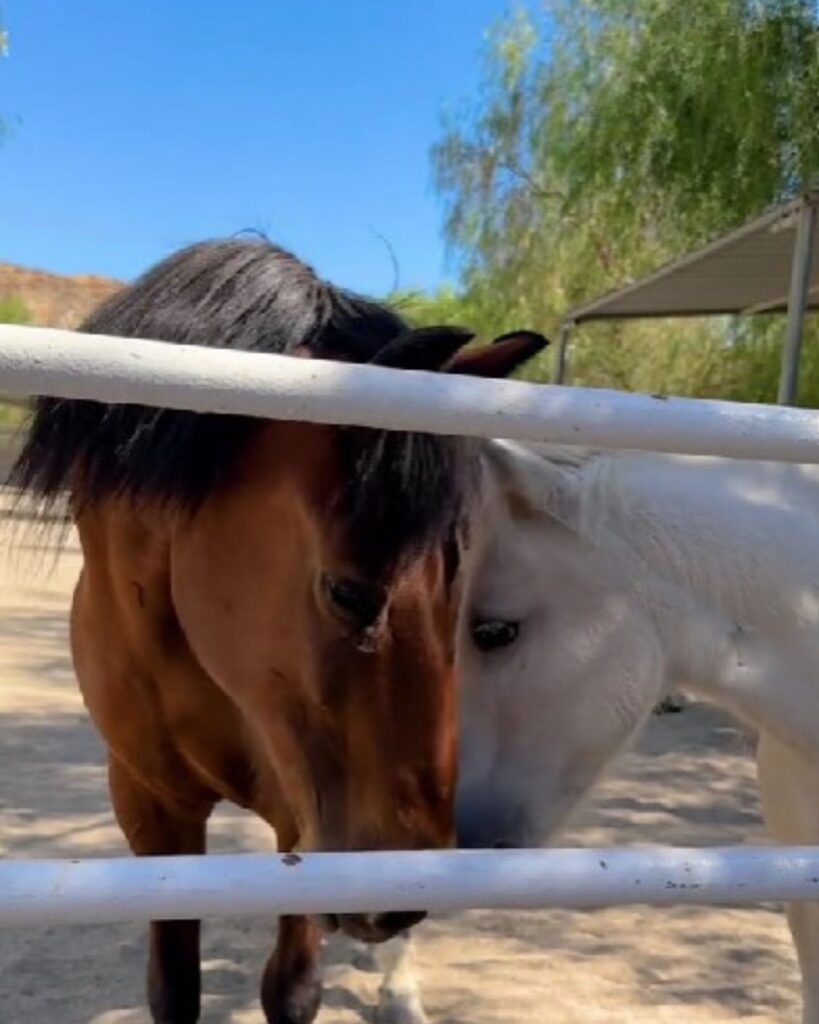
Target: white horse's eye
{"type": "Point", "coordinates": [492, 634]}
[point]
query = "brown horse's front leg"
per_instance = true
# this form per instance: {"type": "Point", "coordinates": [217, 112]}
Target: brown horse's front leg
{"type": "Point", "coordinates": [291, 986]}
{"type": "Point", "coordinates": [174, 972]}
{"type": "Point", "coordinates": [159, 827]}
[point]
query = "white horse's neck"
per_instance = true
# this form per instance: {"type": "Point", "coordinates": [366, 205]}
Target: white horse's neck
{"type": "Point", "coordinates": [722, 555]}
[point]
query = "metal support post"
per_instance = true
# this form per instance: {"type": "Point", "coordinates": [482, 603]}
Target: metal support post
{"type": "Point", "coordinates": [559, 371]}
{"type": "Point", "coordinates": [797, 303]}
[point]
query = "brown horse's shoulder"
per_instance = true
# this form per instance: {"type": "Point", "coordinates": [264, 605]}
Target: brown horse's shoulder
{"type": "Point", "coordinates": [156, 707]}
{"type": "Point", "coordinates": [124, 591]}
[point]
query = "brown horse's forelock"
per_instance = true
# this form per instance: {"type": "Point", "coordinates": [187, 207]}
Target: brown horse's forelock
{"type": "Point", "coordinates": [404, 492]}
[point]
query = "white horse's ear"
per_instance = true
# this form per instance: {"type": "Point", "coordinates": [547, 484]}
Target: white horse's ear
{"type": "Point", "coordinates": [532, 483]}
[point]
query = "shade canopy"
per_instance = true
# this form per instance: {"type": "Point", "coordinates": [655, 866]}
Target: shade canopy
{"type": "Point", "coordinates": [746, 271]}
{"type": "Point", "coordinates": [766, 266]}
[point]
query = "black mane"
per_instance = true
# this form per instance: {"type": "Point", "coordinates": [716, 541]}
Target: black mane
{"type": "Point", "coordinates": [405, 490]}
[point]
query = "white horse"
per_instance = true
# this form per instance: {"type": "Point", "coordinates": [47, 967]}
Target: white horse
{"type": "Point", "coordinates": [597, 584]}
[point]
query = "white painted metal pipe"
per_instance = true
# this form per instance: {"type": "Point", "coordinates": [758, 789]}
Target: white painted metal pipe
{"type": "Point", "coordinates": [131, 889]}
{"type": "Point", "coordinates": [62, 363]}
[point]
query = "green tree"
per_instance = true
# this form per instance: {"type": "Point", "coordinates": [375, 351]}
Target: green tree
{"type": "Point", "coordinates": [611, 135]}
{"type": "Point", "coordinates": [12, 311]}
{"type": "Point", "coordinates": [443, 307]}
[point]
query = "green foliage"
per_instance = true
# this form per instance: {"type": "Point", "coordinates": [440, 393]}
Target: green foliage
{"type": "Point", "coordinates": [612, 135]}
{"type": "Point", "coordinates": [444, 307]}
{"type": "Point", "coordinates": [13, 310]}
{"type": "Point", "coordinates": [11, 414]}
{"type": "Point", "coordinates": [703, 359]}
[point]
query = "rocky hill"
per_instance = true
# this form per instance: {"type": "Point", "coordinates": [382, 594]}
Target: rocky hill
{"type": "Point", "coordinates": [54, 300]}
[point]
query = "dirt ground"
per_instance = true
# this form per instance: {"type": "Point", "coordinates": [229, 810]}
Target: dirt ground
{"type": "Point", "coordinates": [690, 782]}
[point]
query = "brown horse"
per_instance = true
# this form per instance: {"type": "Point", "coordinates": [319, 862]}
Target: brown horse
{"type": "Point", "coordinates": [265, 612]}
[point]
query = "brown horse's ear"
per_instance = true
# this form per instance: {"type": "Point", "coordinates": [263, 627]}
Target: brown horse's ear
{"type": "Point", "coordinates": [426, 348]}
{"type": "Point", "coordinates": [505, 354]}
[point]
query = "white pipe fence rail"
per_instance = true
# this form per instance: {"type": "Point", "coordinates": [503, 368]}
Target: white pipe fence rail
{"type": "Point", "coordinates": [143, 889]}
{"type": "Point", "coordinates": [36, 361]}
{"type": "Point", "coordinates": [40, 361]}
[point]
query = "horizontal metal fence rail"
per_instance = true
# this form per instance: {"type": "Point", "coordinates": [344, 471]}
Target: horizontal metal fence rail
{"type": "Point", "coordinates": [152, 888]}
{"type": "Point", "coordinates": [71, 365]}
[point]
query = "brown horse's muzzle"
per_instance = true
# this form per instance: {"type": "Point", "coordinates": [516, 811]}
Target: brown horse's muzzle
{"type": "Point", "coordinates": [374, 928]}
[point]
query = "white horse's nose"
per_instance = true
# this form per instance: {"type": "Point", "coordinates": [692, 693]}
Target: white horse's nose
{"type": "Point", "coordinates": [484, 822]}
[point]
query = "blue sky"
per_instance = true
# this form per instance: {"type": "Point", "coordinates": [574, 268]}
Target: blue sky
{"type": "Point", "coordinates": [142, 126]}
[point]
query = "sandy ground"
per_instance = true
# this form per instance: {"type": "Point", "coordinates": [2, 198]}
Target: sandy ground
{"type": "Point", "coordinates": [690, 782]}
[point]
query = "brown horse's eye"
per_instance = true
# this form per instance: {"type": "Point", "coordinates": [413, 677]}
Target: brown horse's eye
{"type": "Point", "coordinates": [492, 634]}
{"type": "Point", "coordinates": [358, 603]}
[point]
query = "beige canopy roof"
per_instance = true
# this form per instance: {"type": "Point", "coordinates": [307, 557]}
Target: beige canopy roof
{"type": "Point", "coordinates": [764, 266]}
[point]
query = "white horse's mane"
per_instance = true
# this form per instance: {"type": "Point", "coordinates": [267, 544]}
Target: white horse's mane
{"type": "Point", "coordinates": [720, 528]}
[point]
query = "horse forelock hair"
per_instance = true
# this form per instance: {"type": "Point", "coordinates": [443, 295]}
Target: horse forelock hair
{"type": "Point", "coordinates": [403, 491]}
